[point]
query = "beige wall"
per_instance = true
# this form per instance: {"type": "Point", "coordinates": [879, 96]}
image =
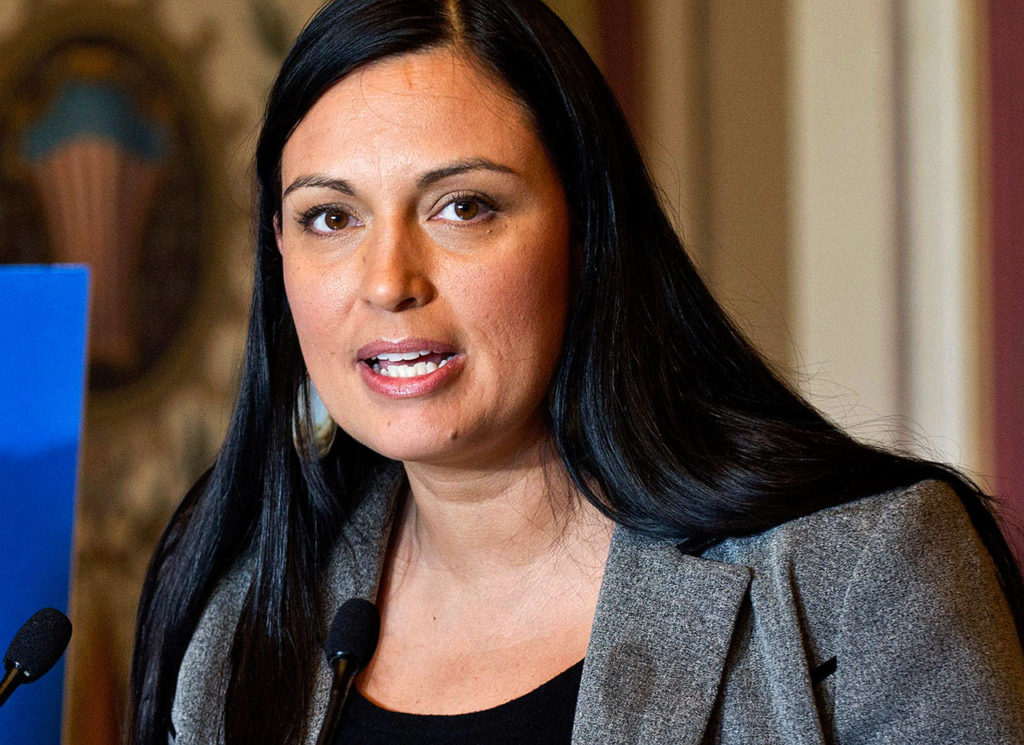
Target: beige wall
{"type": "Point", "coordinates": [712, 123]}
{"type": "Point", "coordinates": [886, 256]}
{"type": "Point", "coordinates": [820, 158]}
{"type": "Point", "coordinates": [744, 168]}
{"type": "Point", "coordinates": [843, 176]}
{"type": "Point", "coordinates": [947, 351]}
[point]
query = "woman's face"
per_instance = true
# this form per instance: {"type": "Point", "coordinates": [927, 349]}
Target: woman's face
{"type": "Point", "coordinates": [424, 234]}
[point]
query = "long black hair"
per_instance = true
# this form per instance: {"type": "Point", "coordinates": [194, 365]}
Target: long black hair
{"type": "Point", "coordinates": [664, 415]}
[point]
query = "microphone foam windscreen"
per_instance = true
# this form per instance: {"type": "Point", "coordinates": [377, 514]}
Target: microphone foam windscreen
{"type": "Point", "coordinates": [353, 632]}
{"type": "Point", "coordinates": [39, 643]}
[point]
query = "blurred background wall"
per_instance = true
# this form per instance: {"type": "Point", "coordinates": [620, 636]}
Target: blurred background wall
{"type": "Point", "coordinates": [848, 177]}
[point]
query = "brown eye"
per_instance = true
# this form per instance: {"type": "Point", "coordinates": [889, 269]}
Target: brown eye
{"type": "Point", "coordinates": [329, 221]}
{"type": "Point", "coordinates": [466, 209]}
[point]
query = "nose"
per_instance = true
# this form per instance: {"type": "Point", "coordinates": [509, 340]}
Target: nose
{"type": "Point", "coordinates": [396, 274]}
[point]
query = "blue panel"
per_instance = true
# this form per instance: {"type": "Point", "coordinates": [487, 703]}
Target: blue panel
{"type": "Point", "coordinates": [42, 372]}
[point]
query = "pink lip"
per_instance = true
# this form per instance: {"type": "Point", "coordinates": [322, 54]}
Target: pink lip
{"type": "Point", "coordinates": [408, 387]}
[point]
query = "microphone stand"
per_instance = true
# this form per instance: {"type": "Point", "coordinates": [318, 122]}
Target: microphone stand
{"type": "Point", "coordinates": [345, 671]}
{"type": "Point", "coordinates": [11, 681]}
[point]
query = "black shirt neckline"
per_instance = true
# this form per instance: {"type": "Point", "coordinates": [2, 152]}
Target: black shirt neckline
{"type": "Point", "coordinates": [543, 715]}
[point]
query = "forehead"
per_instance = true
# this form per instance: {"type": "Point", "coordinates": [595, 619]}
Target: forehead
{"type": "Point", "coordinates": [425, 106]}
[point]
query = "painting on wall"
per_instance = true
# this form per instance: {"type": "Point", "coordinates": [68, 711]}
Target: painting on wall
{"type": "Point", "coordinates": [100, 167]}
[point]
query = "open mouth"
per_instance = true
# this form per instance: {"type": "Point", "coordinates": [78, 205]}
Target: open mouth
{"type": "Point", "coordinates": [408, 364]}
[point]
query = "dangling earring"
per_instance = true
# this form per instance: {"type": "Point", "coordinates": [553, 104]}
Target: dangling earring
{"type": "Point", "coordinates": [313, 429]}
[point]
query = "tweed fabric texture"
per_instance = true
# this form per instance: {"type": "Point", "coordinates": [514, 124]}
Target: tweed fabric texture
{"type": "Point", "coordinates": [878, 621]}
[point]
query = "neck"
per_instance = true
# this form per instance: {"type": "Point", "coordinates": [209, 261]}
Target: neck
{"type": "Point", "coordinates": [523, 515]}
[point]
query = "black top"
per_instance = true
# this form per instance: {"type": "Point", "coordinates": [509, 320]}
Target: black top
{"type": "Point", "coordinates": [544, 716]}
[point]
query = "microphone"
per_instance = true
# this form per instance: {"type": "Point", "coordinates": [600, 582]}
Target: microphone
{"type": "Point", "coordinates": [349, 647]}
{"type": "Point", "coordinates": [36, 648]}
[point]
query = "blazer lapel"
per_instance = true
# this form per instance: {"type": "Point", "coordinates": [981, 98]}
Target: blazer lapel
{"type": "Point", "coordinates": [662, 631]}
{"type": "Point", "coordinates": [355, 570]}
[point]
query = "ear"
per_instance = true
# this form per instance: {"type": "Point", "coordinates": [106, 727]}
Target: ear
{"type": "Point", "coordinates": [277, 231]}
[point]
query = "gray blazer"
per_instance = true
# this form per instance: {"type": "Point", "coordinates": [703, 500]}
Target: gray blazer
{"type": "Point", "coordinates": [878, 621]}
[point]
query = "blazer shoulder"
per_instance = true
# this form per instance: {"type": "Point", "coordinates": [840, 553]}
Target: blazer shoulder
{"type": "Point", "coordinates": [909, 515]}
{"type": "Point", "coordinates": [899, 617]}
{"type": "Point", "coordinates": [865, 556]}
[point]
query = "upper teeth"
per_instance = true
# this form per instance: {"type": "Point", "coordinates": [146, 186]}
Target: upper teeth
{"type": "Point", "coordinates": [403, 356]}
{"type": "Point", "coordinates": [408, 371]}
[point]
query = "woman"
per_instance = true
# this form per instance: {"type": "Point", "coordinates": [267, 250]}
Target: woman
{"type": "Point", "coordinates": [553, 447]}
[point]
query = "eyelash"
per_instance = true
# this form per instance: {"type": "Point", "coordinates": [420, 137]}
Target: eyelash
{"type": "Point", "coordinates": [307, 218]}
{"type": "Point", "coordinates": [470, 196]}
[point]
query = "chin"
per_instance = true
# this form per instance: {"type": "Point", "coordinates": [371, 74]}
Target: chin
{"type": "Point", "coordinates": [406, 454]}
{"type": "Point", "coordinates": [456, 451]}
{"type": "Point", "coordinates": [396, 444]}
{"type": "Point", "coordinates": [428, 441]}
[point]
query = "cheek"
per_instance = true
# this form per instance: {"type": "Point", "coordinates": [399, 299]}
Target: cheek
{"type": "Point", "coordinates": [541, 290]}
{"type": "Point", "coordinates": [317, 304]}
{"type": "Point", "coordinates": [302, 300]}
{"type": "Point", "coordinates": [521, 308]}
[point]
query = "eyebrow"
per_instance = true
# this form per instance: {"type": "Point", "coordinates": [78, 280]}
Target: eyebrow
{"type": "Point", "coordinates": [335, 184]}
{"type": "Point", "coordinates": [427, 179]}
{"type": "Point", "coordinates": [461, 166]}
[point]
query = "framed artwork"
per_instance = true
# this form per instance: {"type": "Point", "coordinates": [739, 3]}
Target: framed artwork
{"type": "Point", "coordinates": [102, 162]}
